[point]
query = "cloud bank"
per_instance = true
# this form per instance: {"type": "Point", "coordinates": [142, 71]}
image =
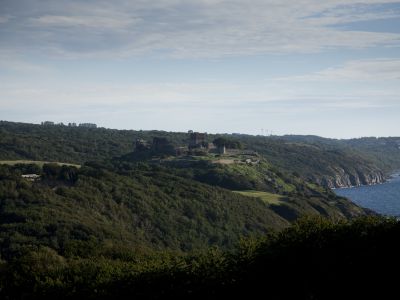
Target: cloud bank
{"type": "Point", "coordinates": [189, 29]}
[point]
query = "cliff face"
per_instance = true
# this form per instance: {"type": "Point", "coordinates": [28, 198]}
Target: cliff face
{"type": "Point", "coordinates": [344, 178]}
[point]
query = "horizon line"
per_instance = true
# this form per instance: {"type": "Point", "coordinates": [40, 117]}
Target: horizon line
{"type": "Point", "coordinates": [212, 133]}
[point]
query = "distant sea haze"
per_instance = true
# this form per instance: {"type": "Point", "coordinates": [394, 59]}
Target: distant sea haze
{"type": "Point", "coordinates": [381, 198]}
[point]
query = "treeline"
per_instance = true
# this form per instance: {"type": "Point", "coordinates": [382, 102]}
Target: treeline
{"type": "Point", "coordinates": [313, 158]}
{"type": "Point", "coordinates": [72, 144]}
{"type": "Point", "coordinates": [312, 259]}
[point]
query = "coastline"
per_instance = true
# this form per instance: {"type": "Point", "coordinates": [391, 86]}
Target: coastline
{"type": "Point", "coordinates": [361, 185]}
{"type": "Point", "coordinates": [342, 178]}
{"type": "Point", "coordinates": [387, 179]}
{"type": "Point", "coordinates": [380, 198]}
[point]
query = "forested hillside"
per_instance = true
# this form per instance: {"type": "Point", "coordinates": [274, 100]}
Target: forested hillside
{"type": "Point", "coordinates": [313, 259]}
{"type": "Point", "coordinates": [145, 206]}
{"type": "Point", "coordinates": [332, 163]}
{"type": "Point", "coordinates": [384, 152]}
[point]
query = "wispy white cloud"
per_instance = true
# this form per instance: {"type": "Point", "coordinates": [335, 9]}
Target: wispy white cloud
{"type": "Point", "coordinates": [22, 67]}
{"type": "Point", "coordinates": [139, 96]}
{"type": "Point", "coordinates": [203, 106]}
{"type": "Point", "coordinates": [376, 70]}
{"type": "Point", "coordinates": [114, 22]}
{"type": "Point", "coordinates": [351, 12]}
{"type": "Point", "coordinates": [282, 96]}
{"type": "Point", "coordinates": [198, 28]}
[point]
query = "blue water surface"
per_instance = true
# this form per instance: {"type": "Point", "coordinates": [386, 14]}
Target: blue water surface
{"type": "Point", "coordinates": [382, 198]}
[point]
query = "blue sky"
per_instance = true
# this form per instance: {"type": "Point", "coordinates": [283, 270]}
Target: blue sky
{"type": "Point", "coordinates": [330, 68]}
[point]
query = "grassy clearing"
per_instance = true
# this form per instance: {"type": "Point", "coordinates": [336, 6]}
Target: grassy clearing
{"type": "Point", "coordinates": [286, 186]}
{"type": "Point", "coordinates": [35, 162]}
{"type": "Point", "coordinates": [316, 187]}
{"type": "Point", "coordinates": [224, 161]}
{"type": "Point", "coordinates": [266, 197]}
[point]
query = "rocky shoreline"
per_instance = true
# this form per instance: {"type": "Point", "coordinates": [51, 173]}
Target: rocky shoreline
{"type": "Point", "coordinates": [346, 180]}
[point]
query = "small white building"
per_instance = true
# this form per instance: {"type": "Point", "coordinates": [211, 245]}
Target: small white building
{"type": "Point", "coordinates": [31, 177]}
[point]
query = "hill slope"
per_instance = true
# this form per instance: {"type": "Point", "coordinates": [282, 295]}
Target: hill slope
{"type": "Point", "coordinates": [313, 259]}
{"type": "Point", "coordinates": [142, 207]}
{"type": "Point", "coordinates": [145, 209]}
{"type": "Point", "coordinates": [330, 162]}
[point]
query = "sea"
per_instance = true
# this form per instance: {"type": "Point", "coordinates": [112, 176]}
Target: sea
{"type": "Point", "coordinates": [382, 198]}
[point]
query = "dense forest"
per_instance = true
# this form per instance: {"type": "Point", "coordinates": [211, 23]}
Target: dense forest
{"type": "Point", "coordinates": [312, 259]}
{"type": "Point", "coordinates": [148, 206]}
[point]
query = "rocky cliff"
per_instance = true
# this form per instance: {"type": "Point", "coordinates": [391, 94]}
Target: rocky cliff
{"type": "Point", "coordinates": [343, 178]}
